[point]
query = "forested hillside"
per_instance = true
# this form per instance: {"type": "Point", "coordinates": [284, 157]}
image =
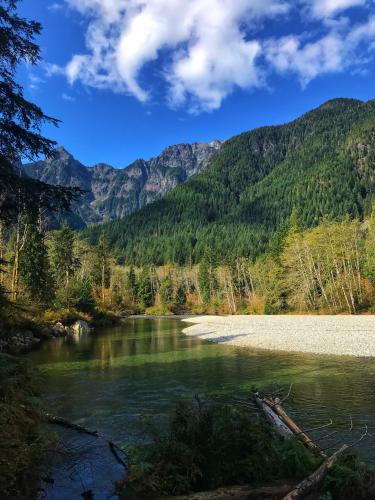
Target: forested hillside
{"type": "Point", "coordinates": [322, 165]}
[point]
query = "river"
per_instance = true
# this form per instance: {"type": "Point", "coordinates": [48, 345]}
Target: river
{"type": "Point", "coordinates": [113, 379]}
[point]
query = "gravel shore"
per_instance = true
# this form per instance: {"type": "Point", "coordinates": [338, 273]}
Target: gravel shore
{"type": "Point", "coordinates": [336, 335]}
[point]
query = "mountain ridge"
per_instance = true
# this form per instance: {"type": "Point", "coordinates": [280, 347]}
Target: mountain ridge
{"type": "Point", "coordinates": [115, 192]}
{"type": "Point", "coordinates": [322, 164]}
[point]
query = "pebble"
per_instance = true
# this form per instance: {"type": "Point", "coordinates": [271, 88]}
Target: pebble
{"type": "Point", "coordinates": [335, 335]}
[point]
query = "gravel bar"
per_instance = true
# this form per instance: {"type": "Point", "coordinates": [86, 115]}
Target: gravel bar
{"type": "Point", "coordinates": [335, 335]}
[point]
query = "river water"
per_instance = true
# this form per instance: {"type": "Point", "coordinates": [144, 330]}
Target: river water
{"type": "Point", "coordinates": [113, 379]}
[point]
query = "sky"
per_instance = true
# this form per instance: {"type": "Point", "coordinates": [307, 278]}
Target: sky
{"type": "Point", "coordinates": [128, 78]}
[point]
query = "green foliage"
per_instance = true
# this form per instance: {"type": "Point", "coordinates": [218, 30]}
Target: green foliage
{"type": "Point", "coordinates": [77, 294]}
{"type": "Point", "coordinates": [207, 278]}
{"type": "Point", "coordinates": [61, 254]}
{"type": "Point", "coordinates": [35, 266]}
{"type": "Point", "coordinates": [350, 478]}
{"type": "Point", "coordinates": [144, 289]}
{"type": "Point", "coordinates": [248, 192]}
{"type": "Point", "coordinates": [131, 285]}
{"type": "Point", "coordinates": [21, 444]}
{"type": "Point", "coordinates": [166, 291]}
{"type": "Point", "coordinates": [101, 270]}
{"type": "Point", "coordinates": [180, 295]}
{"type": "Point", "coordinates": [208, 445]}
{"type": "Point", "coordinates": [21, 121]}
{"type": "Point", "coordinates": [369, 264]}
{"type": "Point", "coordinates": [323, 268]}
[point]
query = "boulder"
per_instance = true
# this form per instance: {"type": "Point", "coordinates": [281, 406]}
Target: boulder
{"type": "Point", "coordinates": [59, 330]}
{"type": "Point", "coordinates": [18, 342]}
{"type": "Point", "coordinates": [80, 327]}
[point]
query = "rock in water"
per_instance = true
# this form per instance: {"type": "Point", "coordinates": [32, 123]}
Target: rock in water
{"type": "Point", "coordinates": [80, 327]}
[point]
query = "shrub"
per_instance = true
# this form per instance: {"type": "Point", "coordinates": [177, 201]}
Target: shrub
{"type": "Point", "coordinates": [21, 441]}
{"type": "Point", "coordinates": [350, 478]}
{"type": "Point", "coordinates": [206, 446]}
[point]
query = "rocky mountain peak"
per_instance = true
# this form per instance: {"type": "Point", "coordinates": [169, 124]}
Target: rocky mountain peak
{"type": "Point", "coordinates": [114, 193]}
{"type": "Point", "coordinates": [60, 153]}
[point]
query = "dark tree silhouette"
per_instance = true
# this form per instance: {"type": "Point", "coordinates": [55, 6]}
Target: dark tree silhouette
{"type": "Point", "coordinates": [21, 122]}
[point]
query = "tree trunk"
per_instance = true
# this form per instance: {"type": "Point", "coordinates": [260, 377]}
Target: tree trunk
{"type": "Point", "coordinates": [20, 243]}
{"type": "Point", "coordinates": [279, 410]}
{"type": "Point", "coordinates": [314, 480]}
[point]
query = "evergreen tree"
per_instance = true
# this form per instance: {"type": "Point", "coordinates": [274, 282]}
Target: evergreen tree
{"type": "Point", "coordinates": [21, 121]}
{"type": "Point", "coordinates": [35, 270]}
{"type": "Point", "coordinates": [20, 137]}
{"type": "Point", "coordinates": [144, 289]}
{"type": "Point", "coordinates": [289, 228]}
{"type": "Point", "coordinates": [62, 256]}
{"type": "Point", "coordinates": [131, 285]}
{"type": "Point", "coordinates": [207, 278]}
{"type": "Point", "coordinates": [166, 291]}
{"type": "Point", "coordinates": [180, 295]}
{"type": "Point", "coordinates": [243, 200]}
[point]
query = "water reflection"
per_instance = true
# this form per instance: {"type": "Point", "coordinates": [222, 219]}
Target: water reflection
{"type": "Point", "coordinates": [109, 379]}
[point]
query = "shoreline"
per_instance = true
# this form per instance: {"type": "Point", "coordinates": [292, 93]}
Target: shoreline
{"type": "Point", "coordinates": [341, 335]}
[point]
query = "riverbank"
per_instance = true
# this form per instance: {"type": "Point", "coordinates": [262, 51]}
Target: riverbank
{"type": "Point", "coordinates": [23, 329]}
{"type": "Point", "coordinates": [334, 335]}
{"type": "Point", "coordinates": [22, 439]}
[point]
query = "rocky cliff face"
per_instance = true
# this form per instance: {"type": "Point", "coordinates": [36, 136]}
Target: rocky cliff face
{"type": "Point", "coordinates": [113, 193]}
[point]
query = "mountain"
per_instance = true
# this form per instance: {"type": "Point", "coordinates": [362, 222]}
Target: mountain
{"type": "Point", "coordinates": [113, 193]}
{"type": "Point", "coordinates": [322, 164]}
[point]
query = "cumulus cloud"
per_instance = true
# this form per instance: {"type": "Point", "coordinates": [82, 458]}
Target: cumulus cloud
{"type": "Point", "coordinates": [203, 43]}
{"type": "Point", "coordinates": [328, 8]}
{"type": "Point", "coordinates": [335, 52]}
{"type": "Point", "coordinates": [204, 49]}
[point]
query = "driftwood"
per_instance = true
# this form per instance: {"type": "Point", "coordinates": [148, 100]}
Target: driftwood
{"type": "Point", "coordinates": [314, 480]}
{"type": "Point", "coordinates": [115, 450]}
{"type": "Point", "coordinates": [273, 409]}
{"type": "Point", "coordinates": [52, 419]}
{"type": "Point", "coordinates": [273, 418]}
{"type": "Point", "coordinates": [278, 409]}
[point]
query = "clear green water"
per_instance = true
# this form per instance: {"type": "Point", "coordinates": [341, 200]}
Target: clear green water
{"type": "Point", "coordinates": [110, 379]}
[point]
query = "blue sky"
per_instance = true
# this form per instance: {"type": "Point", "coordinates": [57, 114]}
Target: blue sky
{"type": "Point", "coordinates": [130, 77]}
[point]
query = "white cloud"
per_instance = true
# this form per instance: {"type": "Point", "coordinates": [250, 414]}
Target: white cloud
{"type": "Point", "coordinates": [55, 7]}
{"type": "Point", "coordinates": [209, 52]}
{"type": "Point", "coordinates": [333, 53]}
{"type": "Point", "coordinates": [328, 8]}
{"type": "Point", "coordinates": [67, 97]}
{"type": "Point", "coordinates": [205, 49]}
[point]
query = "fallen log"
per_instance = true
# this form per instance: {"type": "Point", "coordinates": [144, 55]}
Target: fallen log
{"type": "Point", "coordinates": [52, 419]}
{"type": "Point", "coordinates": [115, 450]}
{"type": "Point", "coordinates": [279, 410]}
{"type": "Point", "coordinates": [273, 418]}
{"type": "Point", "coordinates": [314, 480]}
